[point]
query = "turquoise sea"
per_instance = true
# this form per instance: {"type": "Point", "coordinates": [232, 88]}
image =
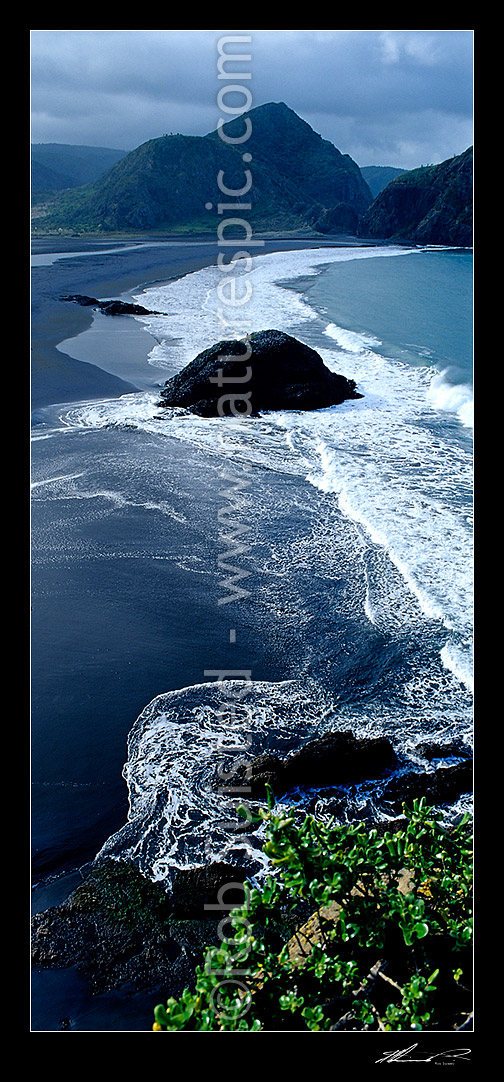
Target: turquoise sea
{"type": "Point", "coordinates": [420, 310]}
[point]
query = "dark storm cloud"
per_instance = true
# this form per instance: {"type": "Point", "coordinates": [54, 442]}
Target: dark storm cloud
{"type": "Point", "coordinates": [396, 97]}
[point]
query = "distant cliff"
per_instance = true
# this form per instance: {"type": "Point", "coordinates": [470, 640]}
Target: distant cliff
{"type": "Point", "coordinates": [378, 176]}
{"type": "Point", "coordinates": [430, 205]}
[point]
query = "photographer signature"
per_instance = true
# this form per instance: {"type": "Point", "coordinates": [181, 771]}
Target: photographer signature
{"type": "Point", "coordinates": [403, 1055]}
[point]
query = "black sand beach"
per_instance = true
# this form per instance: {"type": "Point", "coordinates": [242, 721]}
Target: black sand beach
{"type": "Point", "coordinates": [98, 272]}
{"type": "Point", "coordinates": [77, 615]}
{"type": "Point", "coordinates": [103, 645]}
{"type": "Point", "coordinates": [126, 588]}
{"type": "Point", "coordinates": [56, 377]}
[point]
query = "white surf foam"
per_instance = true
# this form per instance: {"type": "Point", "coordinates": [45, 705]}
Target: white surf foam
{"type": "Point", "coordinates": [198, 316]}
{"type": "Point", "coordinates": [351, 341]}
{"type": "Point", "coordinates": [182, 786]}
{"type": "Point", "coordinates": [384, 457]}
{"type": "Point", "coordinates": [455, 398]}
{"type": "Point", "coordinates": [182, 809]}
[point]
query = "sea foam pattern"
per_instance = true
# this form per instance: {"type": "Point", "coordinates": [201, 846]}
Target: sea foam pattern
{"type": "Point", "coordinates": [396, 463]}
{"type": "Point", "coordinates": [178, 815]}
{"type": "Point", "coordinates": [390, 483]}
{"type": "Point", "coordinates": [393, 459]}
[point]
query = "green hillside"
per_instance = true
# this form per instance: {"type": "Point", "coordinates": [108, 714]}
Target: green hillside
{"type": "Point", "coordinates": [378, 176]}
{"type": "Point", "coordinates": [430, 205]}
{"type": "Point", "coordinates": [61, 165]}
{"type": "Point", "coordinates": [168, 183]}
{"type": "Point", "coordinates": [297, 181]}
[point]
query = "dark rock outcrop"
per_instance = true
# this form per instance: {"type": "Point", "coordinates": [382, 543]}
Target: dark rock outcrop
{"type": "Point", "coordinates": [269, 370]}
{"type": "Point", "coordinates": [441, 786]}
{"type": "Point", "coordinates": [113, 929]}
{"type": "Point", "coordinates": [194, 890]}
{"type": "Point", "coordinates": [339, 758]}
{"type": "Point", "coordinates": [331, 759]}
{"type": "Point", "coordinates": [121, 931]}
{"type": "Point", "coordinates": [433, 750]}
{"type": "Point", "coordinates": [110, 308]}
{"type": "Point", "coordinates": [335, 758]}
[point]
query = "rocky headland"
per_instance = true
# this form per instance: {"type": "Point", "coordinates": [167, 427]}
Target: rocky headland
{"type": "Point", "coordinates": [429, 205]}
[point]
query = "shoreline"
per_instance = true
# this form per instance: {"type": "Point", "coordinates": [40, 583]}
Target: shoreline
{"type": "Point", "coordinates": [129, 267]}
{"type": "Point", "coordinates": [66, 982]}
{"type": "Point", "coordinates": [54, 321]}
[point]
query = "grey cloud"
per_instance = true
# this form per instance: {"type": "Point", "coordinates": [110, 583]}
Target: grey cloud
{"type": "Point", "coordinates": [370, 92]}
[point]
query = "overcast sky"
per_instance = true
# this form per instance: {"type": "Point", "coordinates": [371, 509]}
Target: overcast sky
{"type": "Point", "coordinates": [386, 97]}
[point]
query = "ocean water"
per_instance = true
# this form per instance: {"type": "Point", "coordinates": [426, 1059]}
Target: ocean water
{"type": "Point", "coordinates": [231, 585]}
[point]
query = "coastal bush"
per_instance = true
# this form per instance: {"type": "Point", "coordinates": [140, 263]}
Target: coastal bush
{"type": "Point", "coordinates": [387, 947]}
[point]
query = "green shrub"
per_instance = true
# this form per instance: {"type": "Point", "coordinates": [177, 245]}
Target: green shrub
{"type": "Point", "coordinates": [388, 945]}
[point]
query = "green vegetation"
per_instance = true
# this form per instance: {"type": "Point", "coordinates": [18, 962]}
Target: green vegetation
{"type": "Point", "coordinates": [56, 166]}
{"type": "Point", "coordinates": [171, 183]}
{"type": "Point", "coordinates": [378, 176]}
{"type": "Point", "coordinates": [388, 945]}
{"type": "Point", "coordinates": [429, 205]}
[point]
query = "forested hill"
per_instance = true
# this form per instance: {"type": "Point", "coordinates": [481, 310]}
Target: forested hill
{"type": "Point", "coordinates": [61, 165]}
{"type": "Point", "coordinates": [430, 205]}
{"type": "Point", "coordinates": [299, 181]}
{"type": "Point", "coordinates": [293, 180]}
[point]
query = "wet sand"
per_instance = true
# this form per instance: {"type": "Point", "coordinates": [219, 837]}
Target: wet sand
{"type": "Point", "coordinates": [79, 624]}
{"type": "Point", "coordinates": [94, 269]}
{"type": "Point", "coordinates": [57, 377]}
